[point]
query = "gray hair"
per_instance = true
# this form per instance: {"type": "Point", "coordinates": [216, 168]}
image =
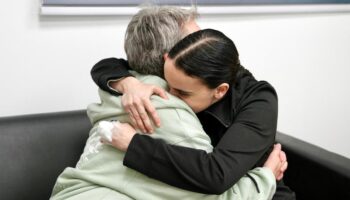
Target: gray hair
{"type": "Point", "coordinates": [151, 33]}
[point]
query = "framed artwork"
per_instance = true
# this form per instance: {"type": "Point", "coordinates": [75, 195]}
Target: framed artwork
{"type": "Point", "coordinates": [129, 7]}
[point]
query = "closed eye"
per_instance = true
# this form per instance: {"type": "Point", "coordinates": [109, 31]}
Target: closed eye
{"type": "Point", "coordinates": [183, 93]}
{"type": "Point", "coordinates": [178, 92]}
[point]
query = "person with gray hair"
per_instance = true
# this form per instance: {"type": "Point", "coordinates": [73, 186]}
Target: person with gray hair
{"type": "Point", "coordinates": [200, 173]}
{"type": "Point", "coordinates": [99, 174]}
{"type": "Point", "coordinates": [152, 32]}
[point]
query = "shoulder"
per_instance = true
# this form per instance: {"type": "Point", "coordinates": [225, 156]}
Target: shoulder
{"type": "Point", "coordinates": [258, 108]}
{"type": "Point", "coordinates": [251, 90]}
{"type": "Point", "coordinates": [246, 84]}
{"type": "Point", "coordinates": [173, 103]}
{"type": "Point", "coordinates": [150, 79]}
{"type": "Point", "coordinates": [263, 89]}
{"type": "Point", "coordinates": [258, 99]}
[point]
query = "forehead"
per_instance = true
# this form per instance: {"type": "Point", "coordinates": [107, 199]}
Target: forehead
{"type": "Point", "coordinates": [177, 79]}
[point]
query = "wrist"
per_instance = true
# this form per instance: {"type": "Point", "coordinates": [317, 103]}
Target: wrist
{"type": "Point", "coordinates": [123, 84]}
{"type": "Point", "coordinates": [128, 144]}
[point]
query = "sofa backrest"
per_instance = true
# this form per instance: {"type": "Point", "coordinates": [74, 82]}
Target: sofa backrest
{"type": "Point", "coordinates": [34, 150]}
{"type": "Point", "coordinates": [314, 172]}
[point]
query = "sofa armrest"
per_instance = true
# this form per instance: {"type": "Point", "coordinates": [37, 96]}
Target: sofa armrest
{"type": "Point", "coordinates": [313, 172]}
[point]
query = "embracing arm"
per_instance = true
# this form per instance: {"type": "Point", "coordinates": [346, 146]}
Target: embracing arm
{"type": "Point", "coordinates": [241, 147]}
{"type": "Point", "coordinates": [107, 70]}
{"type": "Point", "coordinates": [107, 74]}
{"type": "Point", "coordinates": [183, 129]}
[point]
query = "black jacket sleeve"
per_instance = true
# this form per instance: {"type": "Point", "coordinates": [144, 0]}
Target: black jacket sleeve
{"type": "Point", "coordinates": [109, 69]}
{"type": "Point", "coordinates": [243, 144]}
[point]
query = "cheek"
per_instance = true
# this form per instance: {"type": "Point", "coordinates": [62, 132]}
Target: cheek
{"type": "Point", "coordinates": [201, 103]}
{"type": "Point", "coordinates": [188, 101]}
{"type": "Point", "coordinates": [194, 103]}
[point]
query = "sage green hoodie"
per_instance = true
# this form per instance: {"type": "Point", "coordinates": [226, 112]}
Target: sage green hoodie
{"type": "Point", "coordinates": [100, 174]}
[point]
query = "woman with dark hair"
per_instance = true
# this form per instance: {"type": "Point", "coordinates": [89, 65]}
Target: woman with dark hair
{"type": "Point", "coordinates": [238, 113]}
{"type": "Point", "coordinates": [201, 68]}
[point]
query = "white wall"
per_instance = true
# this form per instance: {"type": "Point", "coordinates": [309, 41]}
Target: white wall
{"type": "Point", "coordinates": [45, 64]}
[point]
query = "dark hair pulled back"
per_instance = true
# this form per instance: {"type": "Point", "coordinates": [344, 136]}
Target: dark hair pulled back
{"type": "Point", "coordinates": [208, 55]}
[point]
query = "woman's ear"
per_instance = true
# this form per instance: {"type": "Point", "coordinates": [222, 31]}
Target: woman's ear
{"type": "Point", "coordinates": [221, 90]}
{"type": "Point", "coordinates": [165, 56]}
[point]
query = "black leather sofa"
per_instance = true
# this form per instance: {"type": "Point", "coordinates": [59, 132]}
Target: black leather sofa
{"type": "Point", "coordinates": [34, 149]}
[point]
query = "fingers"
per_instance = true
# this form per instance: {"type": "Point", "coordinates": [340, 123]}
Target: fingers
{"type": "Point", "coordinates": [283, 156]}
{"type": "Point", "coordinates": [136, 118]}
{"type": "Point", "coordinates": [144, 118]}
{"type": "Point", "coordinates": [133, 107]}
{"type": "Point", "coordinates": [133, 121]}
{"type": "Point", "coordinates": [127, 105]}
{"type": "Point", "coordinates": [140, 118]}
{"type": "Point", "coordinates": [277, 146]}
{"type": "Point", "coordinates": [152, 111]}
{"type": "Point", "coordinates": [276, 151]}
{"type": "Point", "coordinates": [284, 167]}
{"type": "Point", "coordinates": [273, 161]}
{"type": "Point", "coordinates": [277, 162]}
{"type": "Point", "coordinates": [282, 170]}
{"type": "Point", "coordinates": [160, 92]}
{"type": "Point", "coordinates": [150, 108]}
{"type": "Point", "coordinates": [122, 134]}
{"type": "Point", "coordinates": [280, 176]}
{"type": "Point", "coordinates": [137, 103]}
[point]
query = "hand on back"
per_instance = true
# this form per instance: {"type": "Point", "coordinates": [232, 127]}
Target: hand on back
{"type": "Point", "coordinates": [136, 101]}
{"type": "Point", "coordinates": [277, 162]}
